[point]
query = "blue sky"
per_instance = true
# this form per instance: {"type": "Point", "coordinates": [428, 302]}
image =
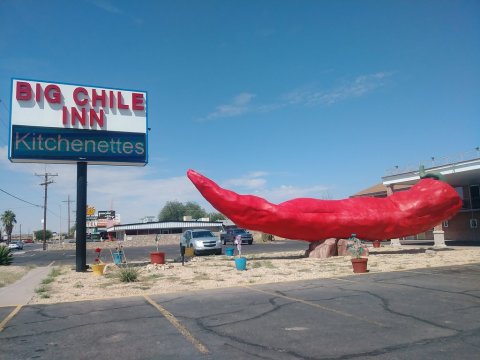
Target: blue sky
{"type": "Point", "coordinates": [281, 99]}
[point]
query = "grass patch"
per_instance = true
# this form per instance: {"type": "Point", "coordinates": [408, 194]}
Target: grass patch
{"type": "Point", "coordinates": [78, 285]}
{"type": "Point", "coordinates": [267, 263]}
{"type": "Point", "coordinates": [154, 277]}
{"type": "Point", "coordinates": [11, 274]}
{"type": "Point", "coordinates": [55, 272]}
{"type": "Point", "coordinates": [42, 289]}
{"type": "Point", "coordinates": [128, 275]}
{"type": "Point", "coordinates": [47, 280]}
{"type": "Point", "coordinates": [201, 276]}
{"type": "Point", "coordinates": [7, 278]}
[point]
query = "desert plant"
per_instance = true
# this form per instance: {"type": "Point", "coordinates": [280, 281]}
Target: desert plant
{"type": "Point", "coordinates": [356, 247]}
{"type": "Point", "coordinates": [267, 237]}
{"type": "Point", "coordinates": [6, 256]}
{"type": "Point", "coordinates": [128, 274]}
{"type": "Point", "coordinates": [42, 291]}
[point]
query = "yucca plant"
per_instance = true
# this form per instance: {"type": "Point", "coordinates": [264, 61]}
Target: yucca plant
{"type": "Point", "coordinates": [6, 256]}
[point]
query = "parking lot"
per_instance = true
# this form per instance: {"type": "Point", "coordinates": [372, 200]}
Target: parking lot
{"type": "Point", "coordinates": [421, 314]}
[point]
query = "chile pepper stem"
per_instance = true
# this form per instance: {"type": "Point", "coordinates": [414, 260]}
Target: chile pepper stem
{"type": "Point", "coordinates": [423, 174]}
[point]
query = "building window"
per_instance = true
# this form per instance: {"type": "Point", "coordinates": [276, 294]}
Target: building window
{"type": "Point", "coordinates": [473, 223]}
{"type": "Point", "coordinates": [475, 196]}
{"type": "Point", "coordinates": [465, 201]}
{"type": "Point", "coordinates": [445, 224]}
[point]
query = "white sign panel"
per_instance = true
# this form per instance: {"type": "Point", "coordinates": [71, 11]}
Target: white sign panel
{"type": "Point", "coordinates": [65, 123]}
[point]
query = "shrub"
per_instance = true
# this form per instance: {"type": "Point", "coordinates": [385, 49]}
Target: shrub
{"type": "Point", "coordinates": [6, 256]}
{"type": "Point", "coordinates": [128, 275]}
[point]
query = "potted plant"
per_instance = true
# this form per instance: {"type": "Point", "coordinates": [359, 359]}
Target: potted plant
{"type": "Point", "coordinates": [98, 266]}
{"type": "Point", "coordinates": [240, 261]}
{"type": "Point", "coordinates": [357, 249]}
{"type": "Point", "coordinates": [377, 243]}
{"type": "Point", "coordinates": [157, 257]}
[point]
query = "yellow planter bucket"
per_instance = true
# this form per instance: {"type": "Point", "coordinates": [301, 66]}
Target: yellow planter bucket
{"type": "Point", "coordinates": [98, 269]}
{"type": "Point", "coordinates": [189, 252]}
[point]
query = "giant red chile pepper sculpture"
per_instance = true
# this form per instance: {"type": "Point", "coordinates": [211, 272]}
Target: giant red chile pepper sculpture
{"type": "Point", "coordinates": [404, 213]}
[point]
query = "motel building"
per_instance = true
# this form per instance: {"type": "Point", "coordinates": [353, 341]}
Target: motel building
{"type": "Point", "coordinates": [463, 174]}
{"type": "Point", "coordinates": [161, 229]}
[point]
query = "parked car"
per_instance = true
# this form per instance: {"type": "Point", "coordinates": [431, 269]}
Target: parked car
{"type": "Point", "coordinates": [230, 234]}
{"type": "Point", "coordinates": [202, 241]}
{"type": "Point", "coordinates": [16, 245]}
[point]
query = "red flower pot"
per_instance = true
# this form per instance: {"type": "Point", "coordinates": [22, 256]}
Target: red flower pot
{"type": "Point", "coordinates": [157, 257]}
{"type": "Point", "coordinates": [376, 244]}
{"type": "Point", "coordinates": [359, 265]}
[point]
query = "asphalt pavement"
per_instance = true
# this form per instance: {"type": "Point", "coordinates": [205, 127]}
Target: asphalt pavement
{"type": "Point", "coordinates": [420, 314]}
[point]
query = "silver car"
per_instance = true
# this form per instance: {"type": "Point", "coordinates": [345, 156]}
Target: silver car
{"type": "Point", "coordinates": [16, 245]}
{"type": "Point", "coordinates": [202, 241]}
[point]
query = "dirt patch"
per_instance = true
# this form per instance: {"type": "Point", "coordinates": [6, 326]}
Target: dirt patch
{"type": "Point", "coordinates": [10, 274]}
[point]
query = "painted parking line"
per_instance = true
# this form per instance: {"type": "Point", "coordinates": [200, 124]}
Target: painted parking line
{"type": "Point", "coordinates": [9, 317]}
{"type": "Point", "coordinates": [181, 328]}
{"type": "Point", "coordinates": [309, 303]}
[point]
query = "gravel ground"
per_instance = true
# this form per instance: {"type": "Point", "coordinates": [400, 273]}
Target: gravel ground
{"type": "Point", "coordinates": [207, 272]}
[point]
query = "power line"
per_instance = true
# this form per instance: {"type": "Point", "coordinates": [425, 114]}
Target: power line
{"type": "Point", "coordinates": [16, 197]}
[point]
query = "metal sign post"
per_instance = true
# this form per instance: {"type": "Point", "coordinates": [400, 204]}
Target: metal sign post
{"type": "Point", "coordinates": [81, 238]}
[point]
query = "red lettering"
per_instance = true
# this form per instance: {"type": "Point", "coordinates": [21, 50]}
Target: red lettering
{"type": "Point", "coordinates": [137, 101]}
{"type": "Point", "coordinates": [94, 117]}
{"type": "Point", "coordinates": [38, 93]}
{"type": "Point", "coordinates": [53, 94]}
{"type": "Point", "coordinates": [82, 118]}
{"type": "Point", "coordinates": [64, 115]}
{"type": "Point", "coordinates": [96, 97]}
{"type": "Point", "coordinates": [120, 103]}
{"type": "Point", "coordinates": [78, 101]}
{"type": "Point", "coordinates": [24, 91]}
{"type": "Point", "coordinates": [112, 99]}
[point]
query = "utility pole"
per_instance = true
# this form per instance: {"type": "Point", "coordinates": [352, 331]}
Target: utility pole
{"type": "Point", "coordinates": [68, 201]}
{"type": "Point", "coordinates": [45, 183]}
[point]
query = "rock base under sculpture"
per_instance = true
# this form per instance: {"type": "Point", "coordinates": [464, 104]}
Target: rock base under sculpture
{"type": "Point", "coordinates": [328, 248]}
{"type": "Point", "coordinates": [322, 249]}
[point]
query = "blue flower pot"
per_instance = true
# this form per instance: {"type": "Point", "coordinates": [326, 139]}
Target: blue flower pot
{"type": "Point", "coordinates": [241, 263]}
{"type": "Point", "coordinates": [118, 257]}
{"type": "Point", "coordinates": [229, 251]}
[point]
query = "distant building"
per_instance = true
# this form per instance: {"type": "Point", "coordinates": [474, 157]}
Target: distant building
{"type": "Point", "coordinates": [121, 232]}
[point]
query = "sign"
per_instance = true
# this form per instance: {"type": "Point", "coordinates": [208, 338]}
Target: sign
{"type": "Point", "coordinates": [67, 123]}
{"type": "Point", "coordinates": [90, 210]}
{"type": "Point", "coordinates": [106, 214]}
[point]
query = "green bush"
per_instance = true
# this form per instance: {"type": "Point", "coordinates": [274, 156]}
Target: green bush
{"type": "Point", "coordinates": [6, 256]}
{"type": "Point", "coordinates": [128, 275]}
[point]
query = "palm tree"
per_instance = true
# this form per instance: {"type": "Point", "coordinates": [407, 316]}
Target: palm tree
{"type": "Point", "coordinates": [8, 220]}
